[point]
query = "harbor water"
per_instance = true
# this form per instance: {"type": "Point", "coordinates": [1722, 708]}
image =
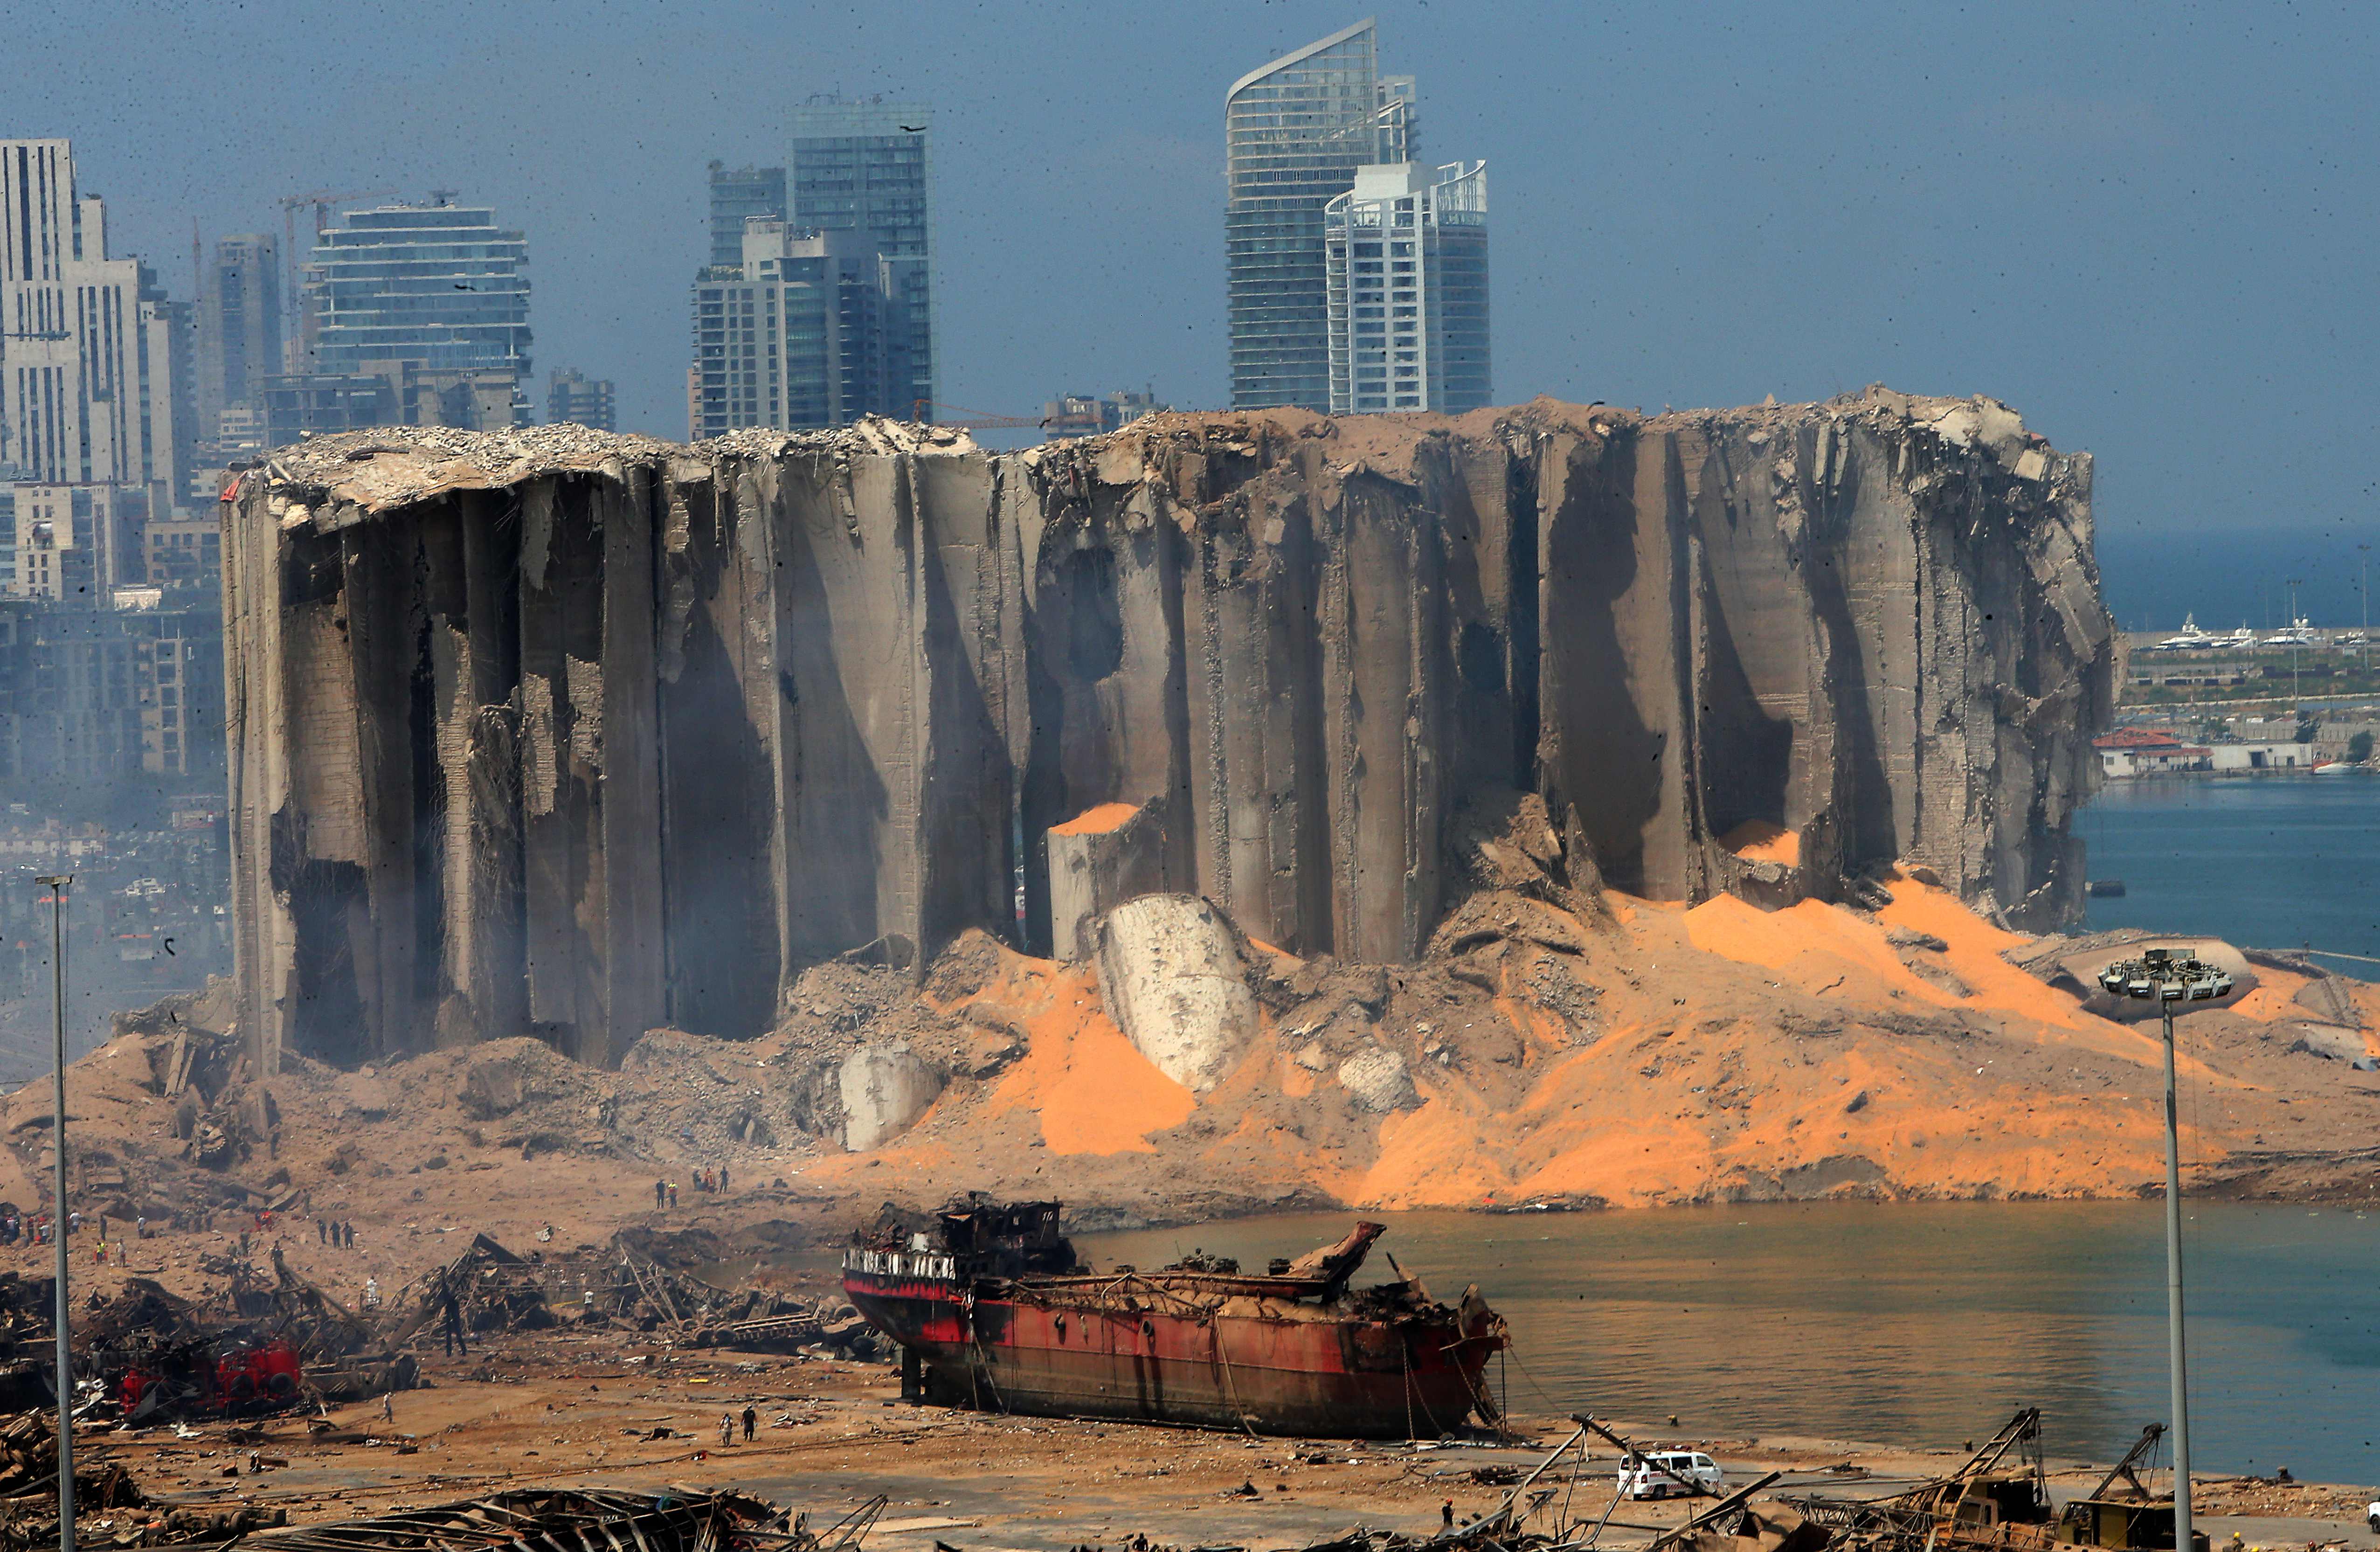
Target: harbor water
{"type": "Point", "coordinates": [1907, 1322]}
{"type": "Point", "coordinates": [2270, 862]}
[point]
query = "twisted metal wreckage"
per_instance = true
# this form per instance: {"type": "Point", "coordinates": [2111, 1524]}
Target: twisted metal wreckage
{"type": "Point", "coordinates": [1997, 1502]}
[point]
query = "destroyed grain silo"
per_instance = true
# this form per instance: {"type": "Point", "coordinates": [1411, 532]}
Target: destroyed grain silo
{"type": "Point", "coordinates": [572, 734]}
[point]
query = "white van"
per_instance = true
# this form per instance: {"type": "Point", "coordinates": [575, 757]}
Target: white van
{"type": "Point", "coordinates": [1639, 1477]}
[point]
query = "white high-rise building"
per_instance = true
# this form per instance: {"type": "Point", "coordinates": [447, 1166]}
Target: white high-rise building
{"type": "Point", "coordinates": [87, 342]}
{"type": "Point", "coordinates": [1406, 261]}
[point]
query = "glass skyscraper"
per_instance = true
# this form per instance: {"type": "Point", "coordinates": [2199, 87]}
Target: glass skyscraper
{"type": "Point", "coordinates": [804, 334]}
{"type": "Point", "coordinates": [1295, 132]}
{"type": "Point", "coordinates": [737, 194]}
{"type": "Point", "coordinates": [432, 298]}
{"type": "Point", "coordinates": [1407, 261]}
{"type": "Point", "coordinates": [868, 167]}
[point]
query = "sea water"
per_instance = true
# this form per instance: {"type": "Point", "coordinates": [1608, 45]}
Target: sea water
{"type": "Point", "coordinates": [2272, 862]}
{"type": "Point", "coordinates": [1905, 1323]}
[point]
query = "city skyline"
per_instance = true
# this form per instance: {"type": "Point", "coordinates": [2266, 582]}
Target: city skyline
{"type": "Point", "coordinates": [2088, 236]}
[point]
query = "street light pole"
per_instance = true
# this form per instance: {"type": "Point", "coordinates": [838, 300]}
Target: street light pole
{"type": "Point", "coordinates": [2366, 549]}
{"type": "Point", "coordinates": [2177, 1359]}
{"type": "Point", "coordinates": [57, 883]}
{"type": "Point", "coordinates": [2167, 976]}
{"type": "Point", "coordinates": [2297, 698]}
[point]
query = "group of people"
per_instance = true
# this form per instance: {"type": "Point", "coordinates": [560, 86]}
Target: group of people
{"type": "Point", "coordinates": [35, 1230]}
{"type": "Point", "coordinates": [727, 1426]}
{"type": "Point", "coordinates": [335, 1233]}
{"type": "Point", "coordinates": [665, 1192]}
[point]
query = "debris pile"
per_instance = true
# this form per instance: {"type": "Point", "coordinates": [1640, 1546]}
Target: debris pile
{"type": "Point", "coordinates": [559, 1521]}
{"type": "Point", "coordinates": [29, 1480]}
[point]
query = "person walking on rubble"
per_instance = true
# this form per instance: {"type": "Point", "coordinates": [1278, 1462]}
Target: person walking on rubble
{"type": "Point", "coordinates": [672, 1196]}
{"type": "Point", "coordinates": [723, 1178]}
{"type": "Point", "coordinates": [451, 1325]}
{"type": "Point", "coordinates": [660, 1195]}
{"type": "Point", "coordinates": [726, 1429]}
{"type": "Point", "coordinates": [751, 1421]}
{"type": "Point", "coordinates": [388, 1406]}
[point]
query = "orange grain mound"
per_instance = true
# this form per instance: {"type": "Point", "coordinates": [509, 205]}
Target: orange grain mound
{"type": "Point", "coordinates": [1976, 947]}
{"type": "Point", "coordinates": [2274, 997]}
{"type": "Point", "coordinates": [1093, 1091]}
{"type": "Point", "coordinates": [1758, 841]}
{"type": "Point", "coordinates": [1436, 1157]}
{"type": "Point", "coordinates": [1811, 942]}
{"type": "Point", "coordinates": [1097, 821]}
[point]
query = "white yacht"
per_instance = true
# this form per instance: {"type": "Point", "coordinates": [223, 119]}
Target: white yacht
{"type": "Point", "coordinates": [2300, 633]}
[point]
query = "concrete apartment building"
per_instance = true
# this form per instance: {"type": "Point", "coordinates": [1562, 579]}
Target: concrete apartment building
{"type": "Point", "coordinates": [240, 343]}
{"type": "Point", "coordinates": [78, 543]}
{"type": "Point", "coordinates": [803, 335]}
{"type": "Point", "coordinates": [1295, 133]}
{"type": "Point", "coordinates": [89, 344]}
{"type": "Point", "coordinates": [432, 299]}
{"type": "Point", "coordinates": [184, 550]}
{"type": "Point", "coordinates": [867, 166]}
{"type": "Point", "coordinates": [94, 694]}
{"type": "Point", "coordinates": [1073, 415]}
{"type": "Point", "coordinates": [1406, 262]}
{"type": "Point", "coordinates": [571, 398]}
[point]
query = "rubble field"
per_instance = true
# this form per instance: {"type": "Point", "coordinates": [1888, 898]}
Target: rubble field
{"type": "Point", "coordinates": [560, 1408]}
{"type": "Point", "coordinates": [1550, 1048]}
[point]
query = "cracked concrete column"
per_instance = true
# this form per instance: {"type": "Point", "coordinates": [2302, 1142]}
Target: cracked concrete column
{"type": "Point", "coordinates": [628, 891]}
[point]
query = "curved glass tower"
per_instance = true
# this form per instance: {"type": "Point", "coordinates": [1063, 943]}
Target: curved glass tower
{"type": "Point", "coordinates": [1295, 132]}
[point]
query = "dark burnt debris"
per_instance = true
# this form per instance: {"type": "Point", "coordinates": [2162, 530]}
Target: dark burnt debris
{"type": "Point", "coordinates": [274, 1341]}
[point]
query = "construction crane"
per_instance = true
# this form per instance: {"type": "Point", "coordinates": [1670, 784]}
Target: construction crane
{"type": "Point", "coordinates": [321, 200]}
{"type": "Point", "coordinates": [2127, 1470]}
{"type": "Point", "coordinates": [976, 419]}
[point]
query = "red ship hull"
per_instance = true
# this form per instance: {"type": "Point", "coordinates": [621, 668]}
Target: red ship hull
{"type": "Point", "coordinates": [1178, 1349]}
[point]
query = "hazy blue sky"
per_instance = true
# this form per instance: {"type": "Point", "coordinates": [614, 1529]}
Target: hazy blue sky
{"type": "Point", "coordinates": [2151, 228]}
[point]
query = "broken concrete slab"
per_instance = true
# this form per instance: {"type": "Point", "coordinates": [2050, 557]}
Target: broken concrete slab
{"type": "Point", "coordinates": [1171, 975]}
{"type": "Point", "coordinates": [1379, 1081]}
{"type": "Point", "coordinates": [885, 1089]}
{"type": "Point", "coordinates": [1098, 859]}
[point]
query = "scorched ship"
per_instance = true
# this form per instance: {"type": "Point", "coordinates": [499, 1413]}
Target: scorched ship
{"type": "Point", "coordinates": [991, 1310]}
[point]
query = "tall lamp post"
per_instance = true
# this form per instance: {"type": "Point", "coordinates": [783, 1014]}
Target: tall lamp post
{"type": "Point", "coordinates": [2366, 589]}
{"type": "Point", "coordinates": [2167, 976]}
{"type": "Point", "coordinates": [56, 884]}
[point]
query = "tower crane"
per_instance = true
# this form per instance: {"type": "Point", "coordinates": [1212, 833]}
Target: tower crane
{"type": "Point", "coordinates": [321, 200]}
{"type": "Point", "coordinates": [975, 420]}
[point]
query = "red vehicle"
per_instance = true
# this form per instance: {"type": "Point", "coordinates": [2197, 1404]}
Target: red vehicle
{"type": "Point", "coordinates": [262, 1377]}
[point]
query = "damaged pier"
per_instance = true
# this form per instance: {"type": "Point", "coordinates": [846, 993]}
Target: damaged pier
{"type": "Point", "coordinates": [569, 735]}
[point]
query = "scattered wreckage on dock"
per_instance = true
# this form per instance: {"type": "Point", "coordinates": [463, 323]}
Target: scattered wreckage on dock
{"type": "Point", "coordinates": [991, 1310]}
